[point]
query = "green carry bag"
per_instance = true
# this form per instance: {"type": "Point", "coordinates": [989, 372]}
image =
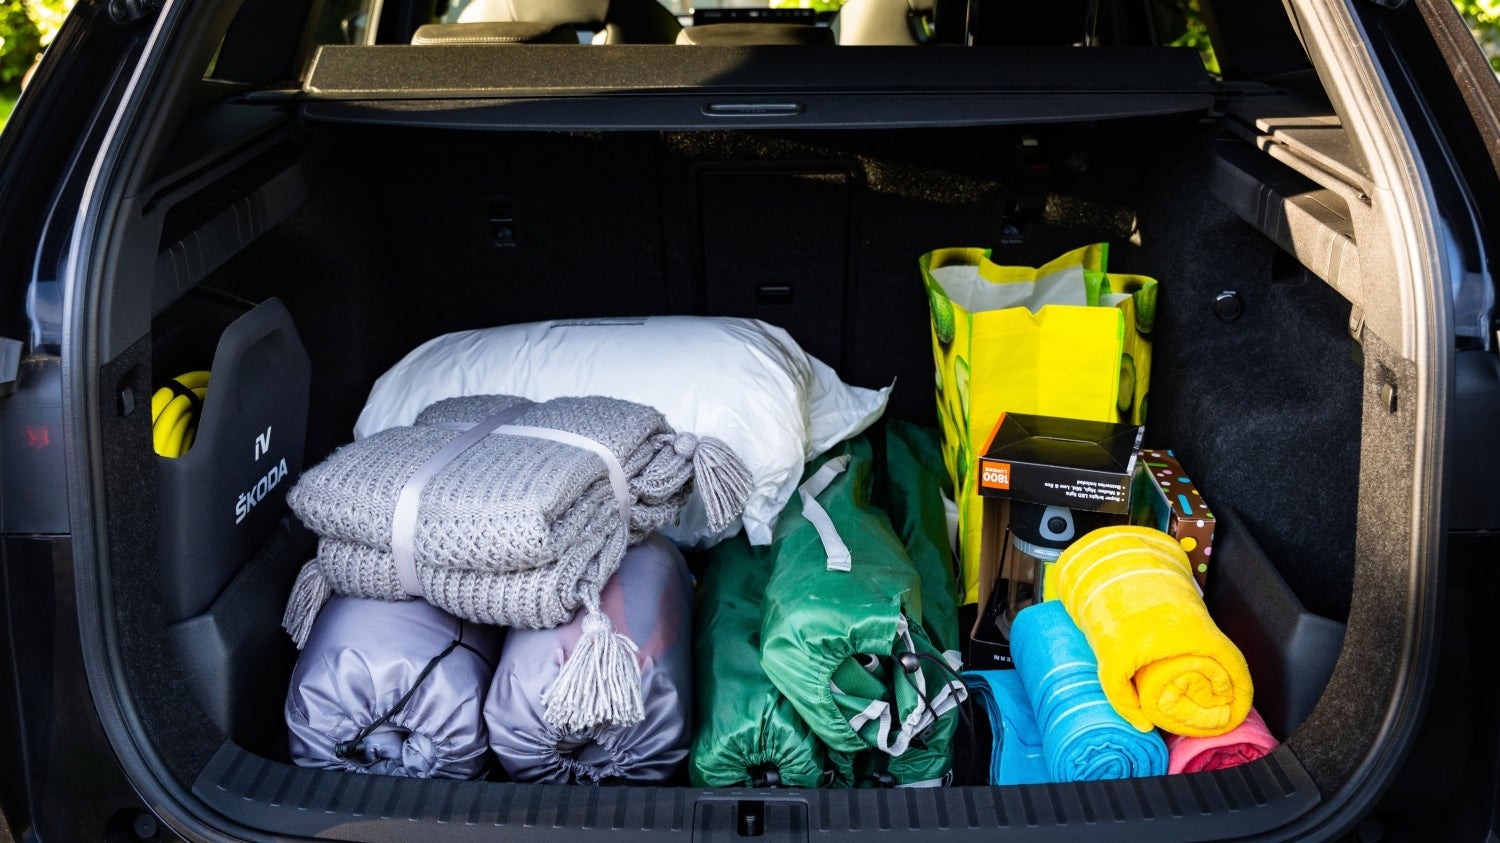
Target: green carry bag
{"type": "Point", "coordinates": [747, 734]}
{"type": "Point", "coordinates": [842, 623]}
{"type": "Point", "coordinates": [911, 482]}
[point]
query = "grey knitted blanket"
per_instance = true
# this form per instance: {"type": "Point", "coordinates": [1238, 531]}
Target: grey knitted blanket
{"type": "Point", "coordinates": [515, 530]}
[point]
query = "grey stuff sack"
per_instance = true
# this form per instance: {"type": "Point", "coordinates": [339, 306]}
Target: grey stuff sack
{"type": "Point", "coordinates": [649, 600]}
{"type": "Point", "coordinates": [361, 658]}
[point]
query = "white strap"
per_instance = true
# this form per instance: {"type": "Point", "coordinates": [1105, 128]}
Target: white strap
{"type": "Point", "coordinates": [824, 477]}
{"type": "Point", "coordinates": [837, 553]}
{"type": "Point", "coordinates": [408, 502]}
{"type": "Point", "coordinates": [876, 710]}
{"type": "Point", "coordinates": [404, 524]}
{"type": "Point", "coordinates": [611, 463]}
{"type": "Point", "coordinates": [948, 697]}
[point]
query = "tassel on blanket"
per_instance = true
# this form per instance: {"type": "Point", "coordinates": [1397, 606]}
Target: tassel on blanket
{"type": "Point", "coordinates": [720, 477]}
{"type": "Point", "coordinates": [309, 594]}
{"type": "Point", "coordinates": [600, 683]}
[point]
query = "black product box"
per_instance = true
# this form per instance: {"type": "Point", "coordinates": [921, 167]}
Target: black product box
{"type": "Point", "coordinates": [1030, 463]}
{"type": "Point", "coordinates": [1085, 465]}
{"type": "Point", "coordinates": [1009, 583]}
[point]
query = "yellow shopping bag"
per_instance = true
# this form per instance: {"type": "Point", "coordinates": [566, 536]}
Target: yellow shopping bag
{"type": "Point", "coordinates": [1064, 339]}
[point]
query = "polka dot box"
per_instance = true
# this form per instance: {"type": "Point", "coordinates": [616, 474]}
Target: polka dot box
{"type": "Point", "coordinates": [1162, 496]}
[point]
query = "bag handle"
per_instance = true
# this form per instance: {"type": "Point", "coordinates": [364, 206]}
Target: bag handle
{"type": "Point", "coordinates": [837, 553]}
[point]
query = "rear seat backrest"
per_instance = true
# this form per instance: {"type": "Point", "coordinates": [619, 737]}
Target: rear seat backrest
{"type": "Point", "coordinates": [495, 32]}
{"type": "Point", "coordinates": [756, 34]}
{"type": "Point", "coordinates": [618, 21]}
{"type": "Point", "coordinates": [1052, 24]}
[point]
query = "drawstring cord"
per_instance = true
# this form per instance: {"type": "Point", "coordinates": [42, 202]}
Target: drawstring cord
{"type": "Point", "coordinates": [910, 662]}
{"type": "Point", "coordinates": [354, 748]}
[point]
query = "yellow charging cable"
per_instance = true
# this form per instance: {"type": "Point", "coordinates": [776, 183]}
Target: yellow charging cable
{"type": "Point", "coordinates": [174, 413]}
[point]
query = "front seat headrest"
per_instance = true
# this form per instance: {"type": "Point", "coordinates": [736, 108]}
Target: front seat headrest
{"type": "Point", "coordinates": [891, 23]}
{"type": "Point", "coordinates": [582, 13]}
{"type": "Point", "coordinates": [620, 21]}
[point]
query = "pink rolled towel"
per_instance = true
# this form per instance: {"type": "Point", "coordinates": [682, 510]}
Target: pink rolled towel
{"type": "Point", "coordinates": [1240, 745]}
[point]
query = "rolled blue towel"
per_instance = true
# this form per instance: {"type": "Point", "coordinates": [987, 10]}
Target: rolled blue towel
{"type": "Point", "coordinates": [1083, 738]}
{"type": "Point", "coordinates": [1017, 754]}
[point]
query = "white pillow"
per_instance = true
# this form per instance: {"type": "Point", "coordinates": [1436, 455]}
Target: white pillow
{"type": "Point", "coordinates": [741, 380]}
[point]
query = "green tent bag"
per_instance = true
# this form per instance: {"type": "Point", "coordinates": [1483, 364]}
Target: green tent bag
{"type": "Point", "coordinates": [843, 611]}
{"type": "Point", "coordinates": [914, 480]}
{"type": "Point", "coordinates": [747, 734]}
{"type": "Point", "coordinates": [911, 480]}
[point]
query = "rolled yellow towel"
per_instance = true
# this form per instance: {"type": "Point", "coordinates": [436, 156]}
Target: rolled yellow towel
{"type": "Point", "coordinates": [1162, 660]}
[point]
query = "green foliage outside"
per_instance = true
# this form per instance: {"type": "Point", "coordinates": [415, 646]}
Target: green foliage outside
{"type": "Point", "coordinates": [820, 5]}
{"type": "Point", "coordinates": [26, 28]}
{"type": "Point", "coordinates": [1183, 16]}
{"type": "Point", "coordinates": [1484, 21]}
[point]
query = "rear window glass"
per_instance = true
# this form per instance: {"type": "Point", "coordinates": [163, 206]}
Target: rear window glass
{"type": "Point", "coordinates": [346, 22]}
{"type": "Point", "coordinates": [1175, 23]}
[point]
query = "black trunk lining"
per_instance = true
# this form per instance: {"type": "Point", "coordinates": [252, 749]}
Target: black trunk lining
{"type": "Point", "coordinates": [1254, 798]}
